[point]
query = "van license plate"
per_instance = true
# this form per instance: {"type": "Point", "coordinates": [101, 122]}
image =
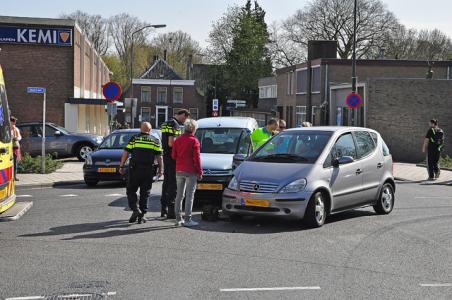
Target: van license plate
{"type": "Point", "coordinates": [210, 186]}
{"type": "Point", "coordinates": [257, 202]}
{"type": "Point", "coordinates": [107, 170]}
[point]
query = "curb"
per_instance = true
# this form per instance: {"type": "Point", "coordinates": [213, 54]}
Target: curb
{"type": "Point", "coordinates": [49, 184]}
{"type": "Point", "coordinates": [16, 211]}
{"type": "Point", "coordinates": [425, 166]}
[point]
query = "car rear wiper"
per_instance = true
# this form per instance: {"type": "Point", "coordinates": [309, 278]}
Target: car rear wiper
{"type": "Point", "coordinates": [282, 156]}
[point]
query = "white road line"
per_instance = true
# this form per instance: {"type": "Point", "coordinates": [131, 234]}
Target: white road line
{"type": "Point", "coordinates": [68, 195]}
{"type": "Point", "coordinates": [433, 197]}
{"type": "Point", "coordinates": [26, 298]}
{"type": "Point", "coordinates": [271, 289]}
{"type": "Point", "coordinates": [24, 196]}
{"type": "Point", "coordinates": [71, 296]}
{"type": "Point", "coordinates": [436, 284]}
{"type": "Point", "coordinates": [114, 195]}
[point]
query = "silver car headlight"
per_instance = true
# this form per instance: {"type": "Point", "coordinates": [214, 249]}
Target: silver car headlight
{"type": "Point", "coordinates": [233, 184]}
{"type": "Point", "coordinates": [295, 186]}
{"type": "Point", "coordinates": [88, 160]}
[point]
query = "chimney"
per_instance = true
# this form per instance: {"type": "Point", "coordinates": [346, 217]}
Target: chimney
{"type": "Point", "coordinates": [189, 67]}
{"type": "Point", "coordinates": [165, 52]}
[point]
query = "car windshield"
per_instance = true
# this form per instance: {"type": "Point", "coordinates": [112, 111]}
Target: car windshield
{"type": "Point", "coordinates": [219, 140]}
{"type": "Point", "coordinates": [61, 129]}
{"type": "Point", "coordinates": [117, 140]}
{"type": "Point", "coordinates": [293, 146]}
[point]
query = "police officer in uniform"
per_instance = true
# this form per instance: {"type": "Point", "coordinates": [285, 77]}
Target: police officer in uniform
{"type": "Point", "coordinates": [170, 131]}
{"type": "Point", "coordinates": [433, 143]}
{"type": "Point", "coordinates": [143, 148]}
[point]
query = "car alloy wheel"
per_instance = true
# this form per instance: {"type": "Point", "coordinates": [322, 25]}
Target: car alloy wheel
{"type": "Point", "coordinates": [319, 208]}
{"type": "Point", "coordinates": [84, 151]}
{"type": "Point", "coordinates": [386, 198]}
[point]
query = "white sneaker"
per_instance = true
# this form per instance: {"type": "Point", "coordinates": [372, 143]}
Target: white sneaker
{"type": "Point", "coordinates": [180, 223]}
{"type": "Point", "coordinates": [191, 223]}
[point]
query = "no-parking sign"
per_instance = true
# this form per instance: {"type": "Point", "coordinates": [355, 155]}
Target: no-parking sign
{"type": "Point", "coordinates": [354, 100]}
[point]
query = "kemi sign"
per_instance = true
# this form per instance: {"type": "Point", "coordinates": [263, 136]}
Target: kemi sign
{"type": "Point", "coordinates": [42, 36]}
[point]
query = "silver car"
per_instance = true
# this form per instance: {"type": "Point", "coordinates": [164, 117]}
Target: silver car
{"type": "Point", "coordinates": [310, 173]}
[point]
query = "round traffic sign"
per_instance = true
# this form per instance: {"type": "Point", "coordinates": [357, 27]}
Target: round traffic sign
{"type": "Point", "coordinates": [112, 91]}
{"type": "Point", "coordinates": [354, 100]}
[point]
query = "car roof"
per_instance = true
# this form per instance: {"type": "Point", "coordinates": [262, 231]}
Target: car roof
{"type": "Point", "coordinates": [335, 129]}
{"type": "Point", "coordinates": [228, 122]}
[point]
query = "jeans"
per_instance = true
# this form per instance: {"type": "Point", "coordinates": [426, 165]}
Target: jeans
{"type": "Point", "coordinates": [186, 186]}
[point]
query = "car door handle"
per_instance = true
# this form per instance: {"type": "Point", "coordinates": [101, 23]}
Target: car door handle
{"type": "Point", "coordinates": [359, 171]}
{"type": "Point", "coordinates": [379, 165]}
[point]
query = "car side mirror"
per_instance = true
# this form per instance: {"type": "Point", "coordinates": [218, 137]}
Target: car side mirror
{"type": "Point", "coordinates": [57, 133]}
{"type": "Point", "coordinates": [343, 160]}
{"type": "Point", "coordinates": [238, 159]}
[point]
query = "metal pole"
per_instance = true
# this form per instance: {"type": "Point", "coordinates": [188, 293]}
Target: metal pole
{"type": "Point", "coordinates": [131, 82]}
{"type": "Point", "coordinates": [354, 78]}
{"type": "Point", "coordinates": [43, 146]}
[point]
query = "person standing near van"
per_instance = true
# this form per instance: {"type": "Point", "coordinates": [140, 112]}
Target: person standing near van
{"type": "Point", "coordinates": [433, 144]}
{"type": "Point", "coordinates": [261, 135]}
{"type": "Point", "coordinates": [170, 131]}
{"type": "Point", "coordinates": [186, 153]}
{"type": "Point", "coordinates": [16, 137]}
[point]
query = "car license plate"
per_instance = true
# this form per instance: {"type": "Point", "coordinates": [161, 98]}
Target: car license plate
{"type": "Point", "coordinates": [210, 186]}
{"type": "Point", "coordinates": [3, 194]}
{"type": "Point", "coordinates": [257, 202]}
{"type": "Point", "coordinates": [107, 170]}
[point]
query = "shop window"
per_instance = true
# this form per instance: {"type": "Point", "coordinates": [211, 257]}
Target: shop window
{"type": "Point", "coordinates": [145, 94]}
{"type": "Point", "coordinates": [178, 95]}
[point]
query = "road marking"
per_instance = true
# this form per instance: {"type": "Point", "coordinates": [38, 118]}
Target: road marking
{"type": "Point", "coordinates": [436, 284]}
{"type": "Point", "coordinates": [26, 298]}
{"type": "Point", "coordinates": [24, 196]}
{"type": "Point", "coordinates": [68, 195]}
{"type": "Point", "coordinates": [71, 296]}
{"type": "Point", "coordinates": [271, 289]}
{"type": "Point", "coordinates": [433, 197]}
{"type": "Point", "coordinates": [114, 195]}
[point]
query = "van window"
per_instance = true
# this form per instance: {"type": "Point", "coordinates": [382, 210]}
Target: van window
{"type": "Point", "coordinates": [219, 140]}
{"type": "Point", "coordinates": [345, 146]}
{"type": "Point", "coordinates": [5, 128]}
{"type": "Point", "coordinates": [245, 144]}
{"type": "Point", "coordinates": [364, 142]}
{"type": "Point", "coordinates": [386, 151]}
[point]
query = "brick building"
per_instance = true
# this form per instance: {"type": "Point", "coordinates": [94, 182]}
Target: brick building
{"type": "Point", "coordinates": [160, 92]}
{"type": "Point", "coordinates": [55, 54]}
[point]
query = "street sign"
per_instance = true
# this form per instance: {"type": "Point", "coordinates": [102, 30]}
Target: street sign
{"type": "Point", "coordinates": [215, 114]}
{"type": "Point", "coordinates": [354, 100]}
{"type": "Point", "coordinates": [215, 105]}
{"type": "Point", "coordinates": [35, 90]}
{"type": "Point", "coordinates": [111, 91]}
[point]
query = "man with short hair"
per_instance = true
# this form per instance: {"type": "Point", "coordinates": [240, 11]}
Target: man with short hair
{"type": "Point", "coordinates": [433, 145]}
{"type": "Point", "coordinates": [261, 135]}
{"type": "Point", "coordinates": [171, 129]}
{"type": "Point", "coordinates": [142, 148]}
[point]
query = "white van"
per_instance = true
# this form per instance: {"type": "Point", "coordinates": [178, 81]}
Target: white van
{"type": "Point", "coordinates": [220, 138]}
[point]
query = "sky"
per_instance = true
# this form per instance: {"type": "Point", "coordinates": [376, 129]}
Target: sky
{"type": "Point", "coordinates": [196, 16]}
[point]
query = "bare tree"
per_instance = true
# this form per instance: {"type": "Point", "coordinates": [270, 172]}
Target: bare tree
{"type": "Point", "coordinates": [333, 20]}
{"type": "Point", "coordinates": [284, 52]}
{"type": "Point", "coordinates": [94, 26]}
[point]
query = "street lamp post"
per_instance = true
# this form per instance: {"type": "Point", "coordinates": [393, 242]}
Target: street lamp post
{"type": "Point", "coordinates": [354, 78]}
{"type": "Point", "coordinates": [131, 64]}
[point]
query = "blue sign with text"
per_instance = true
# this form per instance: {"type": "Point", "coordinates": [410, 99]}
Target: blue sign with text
{"type": "Point", "coordinates": [36, 90]}
{"type": "Point", "coordinates": [30, 35]}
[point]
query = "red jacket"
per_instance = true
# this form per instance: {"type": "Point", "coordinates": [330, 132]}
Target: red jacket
{"type": "Point", "coordinates": [186, 153]}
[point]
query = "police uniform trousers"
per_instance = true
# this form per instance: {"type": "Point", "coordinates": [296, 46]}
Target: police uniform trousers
{"type": "Point", "coordinates": [169, 187]}
{"type": "Point", "coordinates": [140, 177]}
{"type": "Point", "coordinates": [433, 155]}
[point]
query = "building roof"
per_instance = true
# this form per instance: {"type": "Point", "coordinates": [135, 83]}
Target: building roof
{"type": "Point", "coordinates": [160, 69]}
{"type": "Point", "coordinates": [36, 21]}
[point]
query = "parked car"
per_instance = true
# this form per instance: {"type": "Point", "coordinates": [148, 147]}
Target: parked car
{"type": "Point", "coordinates": [220, 138]}
{"type": "Point", "coordinates": [59, 141]}
{"type": "Point", "coordinates": [310, 173]}
{"type": "Point", "coordinates": [103, 164]}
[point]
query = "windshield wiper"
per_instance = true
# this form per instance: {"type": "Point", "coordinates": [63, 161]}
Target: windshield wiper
{"type": "Point", "coordinates": [282, 156]}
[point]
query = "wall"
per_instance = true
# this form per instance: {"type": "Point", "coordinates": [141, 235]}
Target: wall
{"type": "Point", "coordinates": [400, 109]}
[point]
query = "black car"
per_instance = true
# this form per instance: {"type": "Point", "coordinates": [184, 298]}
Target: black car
{"type": "Point", "coordinates": [59, 141]}
{"type": "Point", "coordinates": [103, 164]}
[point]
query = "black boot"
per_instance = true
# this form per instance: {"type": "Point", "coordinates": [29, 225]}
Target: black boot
{"type": "Point", "coordinates": [163, 213]}
{"type": "Point", "coordinates": [171, 214]}
{"type": "Point", "coordinates": [134, 216]}
{"type": "Point", "coordinates": [141, 218]}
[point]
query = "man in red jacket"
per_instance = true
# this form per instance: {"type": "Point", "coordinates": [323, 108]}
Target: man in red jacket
{"type": "Point", "coordinates": [186, 153]}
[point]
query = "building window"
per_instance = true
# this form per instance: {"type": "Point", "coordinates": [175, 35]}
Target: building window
{"type": "Point", "coordinates": [269, 91]}
{"type": "Point", "coordinates": [316, 115]}
{"type": "Point", "coordinates": [145, 94]}
{"type": "Point", "coordinates": [161, 95]}
{"type": "Point", "coordinates": [145, 114]}
{"type": "Point", "coordinates": [300, 115]}
{"type": "Point", "coordinates": [178, 95]}
{"type": "Point", "coordinates": [194, 113]}
{"type": "Point", "coordinates": [316, 79]}
{"type": "Point", "coordinates": [302, 81]}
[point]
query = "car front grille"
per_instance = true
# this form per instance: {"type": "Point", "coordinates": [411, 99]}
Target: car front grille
{"type": "Point", "coordinates": [207, 172]}
{"type": "Point", "coordinates": [256, 187]}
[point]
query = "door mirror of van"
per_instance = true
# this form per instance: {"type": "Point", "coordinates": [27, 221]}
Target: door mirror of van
{"type": "Point", "coordinates": [343, 160]}
{"type": "Point", "coordinates": [238, 159]}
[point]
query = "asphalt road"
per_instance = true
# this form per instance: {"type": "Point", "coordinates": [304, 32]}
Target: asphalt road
{"type": "Point", "coordinates": [77, 240]}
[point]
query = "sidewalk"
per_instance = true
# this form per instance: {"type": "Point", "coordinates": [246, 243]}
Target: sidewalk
{"type": "Point", "coordinates": [411, 172]}
{"type": "Point", "coordinates": [70, 173]}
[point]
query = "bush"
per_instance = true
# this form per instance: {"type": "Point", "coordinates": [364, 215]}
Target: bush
{"type": "Point", "coordinates": [445, 162]}
{"type": "Point", "coordinates": [30, 164]}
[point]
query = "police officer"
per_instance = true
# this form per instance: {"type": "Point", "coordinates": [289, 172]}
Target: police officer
{"type": "Point", "coordinates": [261, 135]}
{"type": "Point", "coordinates": [433, 143]}
{"type": "Point", "coordinates": [170, 131]}
{"type": "Point", "coordinates": [143, 149]}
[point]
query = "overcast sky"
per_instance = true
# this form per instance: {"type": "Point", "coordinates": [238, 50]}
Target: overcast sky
{"type": "Point", "coordinates": [196, 16]}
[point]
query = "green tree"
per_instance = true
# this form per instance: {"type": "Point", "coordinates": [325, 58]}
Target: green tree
{"type": "Point", "coordinates": [249, 58]}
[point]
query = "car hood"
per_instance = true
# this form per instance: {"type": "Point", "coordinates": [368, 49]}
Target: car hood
{"type": "Point", "coordinates": [276, 173]}
{"type": "Point", "coordinates": [215, 161]}
{"type": "Point", "coordinates": [85, 135]}
{"type": "Point", "coordinates": [102, 154]}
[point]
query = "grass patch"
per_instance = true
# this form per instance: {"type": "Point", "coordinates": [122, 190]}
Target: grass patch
{"type": "Point", "coordinates": [32, 165]}
{"type": "Point", "coordinates": [445, 162]}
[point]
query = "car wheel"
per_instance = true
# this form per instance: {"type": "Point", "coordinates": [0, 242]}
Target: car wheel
{"type": "Point", "coordinates": [210, 213]}
{"type": "Point", "coordinates": [315, 214]}
{"type": "Point", "coordinates": [385, 202]}
{"type": "Point", "coordinates": [83, 151]}
{"type": "Point", "coordinates": [91, 182]}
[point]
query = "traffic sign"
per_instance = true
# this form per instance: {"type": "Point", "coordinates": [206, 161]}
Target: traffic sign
{"type": "Point", "coordinates": [215, 105]}
{"type": "Point", "coordinates": [214, 113]}
{"type": "Point", "coordinates": [111, 91]}
{"type": "Point", "coordinates": [354, 100]}
{"type": "Point", "coordinates": [35, 90]}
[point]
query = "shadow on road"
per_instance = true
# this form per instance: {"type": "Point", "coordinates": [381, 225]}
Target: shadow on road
{"type": "Point", "coordinates": [153, 203]}
{"type": "Point", "coordinates": [100, 186]}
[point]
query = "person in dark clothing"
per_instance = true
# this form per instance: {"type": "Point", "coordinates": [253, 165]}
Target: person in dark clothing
{"type": "Point", "coordinates": [170, 131]}
{"type": "Point", "coordinates": [433, 145]}
{"type": "Point", "coordinates": [143, 149]}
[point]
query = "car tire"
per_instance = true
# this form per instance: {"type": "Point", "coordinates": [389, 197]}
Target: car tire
{"type": "Point", "coordinates": [315, 214]}
{"type": "Point", "coordinates": [83, 150]}
{"type": "Point", "coordinates": [91, 182]}
{"type": "Point", "coordinates": [385, 202]}
{"type": "Point", "coordinates": [210, 213]}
